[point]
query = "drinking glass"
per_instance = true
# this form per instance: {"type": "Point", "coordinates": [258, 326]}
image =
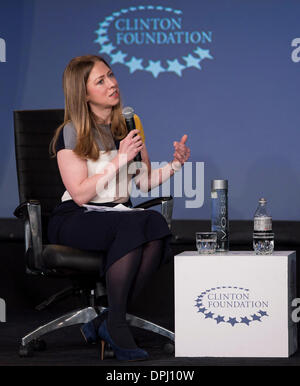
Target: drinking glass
{"type": "Point", "coordinates": [206, 242]}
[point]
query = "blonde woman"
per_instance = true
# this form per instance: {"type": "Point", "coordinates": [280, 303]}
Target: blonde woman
{"type": "Point", "coordinates": [95, 156]}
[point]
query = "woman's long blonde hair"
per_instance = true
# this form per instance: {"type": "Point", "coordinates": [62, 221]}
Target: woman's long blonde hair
{"type": "Point", "coordinates": [78, 112]}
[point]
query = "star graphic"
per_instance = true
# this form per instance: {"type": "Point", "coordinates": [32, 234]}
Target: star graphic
{"type": "Point", "coordinates": [102, 39]}
{"type": "Point", "coordinates": [134, 64]}
{"type": "Point", "coordinates": [101, 31]}
{"type": "Point", "coordinates": [232, 321]}
{"type": "Point", "coordinates": [155, 68]}
{"type": "Point", "coordinates": [209, 315]}
{"type": "Point", "coordinates": [262, 313]}
{"type": "Point", "coordinates": [245, 320]}
{"type": "Point", "coordinates": [202, 309]}
{"type": "Point", "coordinates": [256, 317]}
{"type": "Point", "coordinates": [118, 57]}
{"type": "Point", "coordinates": [104, 24]}
{"type": "Point", "coordinates": [219, 319]}
{"type": "Point", "coordinates": [106, 49]}
{"type": "Point", "coordinates": [175, 66]}
{"type": "Point", "coordinates": [203, 54]}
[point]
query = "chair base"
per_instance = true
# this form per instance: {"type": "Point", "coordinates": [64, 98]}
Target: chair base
{"type": "Point", "coordinates": [87, 314]}
{"type": "Point", "coordinates": [70, 319]}
{"type": "Point", "coordinates": [135, 321]}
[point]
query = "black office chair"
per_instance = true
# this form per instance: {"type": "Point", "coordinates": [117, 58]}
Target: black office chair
{"type": "Point", "coordinates": [40, 189]}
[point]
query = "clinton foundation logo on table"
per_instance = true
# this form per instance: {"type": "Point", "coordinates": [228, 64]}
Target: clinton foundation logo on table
{"type": "Point", "coordinates": [155, 39]}
{"type": "Point", "coordinates": [231, 305]}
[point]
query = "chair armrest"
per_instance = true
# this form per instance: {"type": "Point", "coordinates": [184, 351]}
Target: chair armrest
{"type": "Point", "coordinates": [30, 212]}
{"type": "Point", "coordinates": [166, 207]}
{"type": "Point", "coordinates": [153, 202]}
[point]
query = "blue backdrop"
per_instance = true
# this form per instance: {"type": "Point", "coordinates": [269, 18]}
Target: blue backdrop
{"type": "Point", "coordinates": [226, 72]}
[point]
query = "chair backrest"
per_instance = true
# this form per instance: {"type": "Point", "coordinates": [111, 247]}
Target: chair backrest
{"type": "Point", "coordinates": [38, 174]}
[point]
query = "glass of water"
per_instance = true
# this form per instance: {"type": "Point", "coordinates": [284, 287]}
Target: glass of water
{"type": "Point", "coordinates": [263, 244]}
{"type": "Point", "coordinates": [206, 242]}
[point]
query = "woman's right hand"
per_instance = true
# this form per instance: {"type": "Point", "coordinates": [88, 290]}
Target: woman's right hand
{"type": "Point", "coordinates": [131, 145]}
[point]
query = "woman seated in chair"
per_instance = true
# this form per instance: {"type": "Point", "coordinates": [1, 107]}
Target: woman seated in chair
{"type": "Point", "coordinates": [95, 154]}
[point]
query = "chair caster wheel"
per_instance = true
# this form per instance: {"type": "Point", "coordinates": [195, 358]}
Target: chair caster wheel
{"type": "Point", "coordinates": [34, 345]}
{"type": "Point", "coordinates": [169, 348]}
{"type": "Point", "coordinates": [38, 345]}
{"type": "Point", "coordinates": [26, 351]}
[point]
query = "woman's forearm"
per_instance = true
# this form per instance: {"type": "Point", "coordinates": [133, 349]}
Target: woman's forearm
{"type": "Point", "coordinates": [147, 180]}
{"type": "Point", "coordinates": [94, 185]}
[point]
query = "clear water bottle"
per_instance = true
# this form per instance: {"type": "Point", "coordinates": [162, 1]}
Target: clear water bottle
{"type": "Point", "coordinates": [263, 237]}
{"type": "Point", "coordinates": [219, 213]}
{"type": "Point", "coordinates": [262, 220]}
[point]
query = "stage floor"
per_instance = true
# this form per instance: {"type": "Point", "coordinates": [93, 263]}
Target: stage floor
{"type": "Point", "coordinates": [66, 347]}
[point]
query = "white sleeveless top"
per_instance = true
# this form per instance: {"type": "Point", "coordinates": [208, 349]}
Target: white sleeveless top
{"type": "Point", "coordinates": [119, 188]}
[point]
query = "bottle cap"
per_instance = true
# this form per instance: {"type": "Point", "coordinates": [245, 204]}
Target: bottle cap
{"type": "Point", "coordinates": [219, 184]}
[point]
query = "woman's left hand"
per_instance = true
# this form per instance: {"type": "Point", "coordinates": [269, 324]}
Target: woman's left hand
{"type": "Point", "coordinates": [182, 152]}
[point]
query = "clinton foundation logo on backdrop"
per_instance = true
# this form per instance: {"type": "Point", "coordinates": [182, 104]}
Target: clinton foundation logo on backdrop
{"type": "Point", "coordinates": [155, 39]}
{"type": "Point", "coordinates": [233, 306]}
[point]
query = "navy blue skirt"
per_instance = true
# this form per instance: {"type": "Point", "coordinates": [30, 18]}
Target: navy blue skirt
{"type": "Point", "coordinates": [114, 233]}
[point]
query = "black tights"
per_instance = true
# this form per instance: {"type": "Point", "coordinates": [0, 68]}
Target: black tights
{"type": "Point", "coordinates": [124, 279]}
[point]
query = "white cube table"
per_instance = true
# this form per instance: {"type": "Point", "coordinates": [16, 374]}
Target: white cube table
{"type": "Point", "coordinates": [235, 304]}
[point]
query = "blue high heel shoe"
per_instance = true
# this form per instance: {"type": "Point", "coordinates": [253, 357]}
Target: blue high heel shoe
{"type": "Point", "coordinates": [90, 330]}
{"type": "Point", "coordinates": [122, 354]}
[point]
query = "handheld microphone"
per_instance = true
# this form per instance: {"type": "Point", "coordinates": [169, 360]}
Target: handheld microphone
{"type": "Point", "coordinates": [128, 114]}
